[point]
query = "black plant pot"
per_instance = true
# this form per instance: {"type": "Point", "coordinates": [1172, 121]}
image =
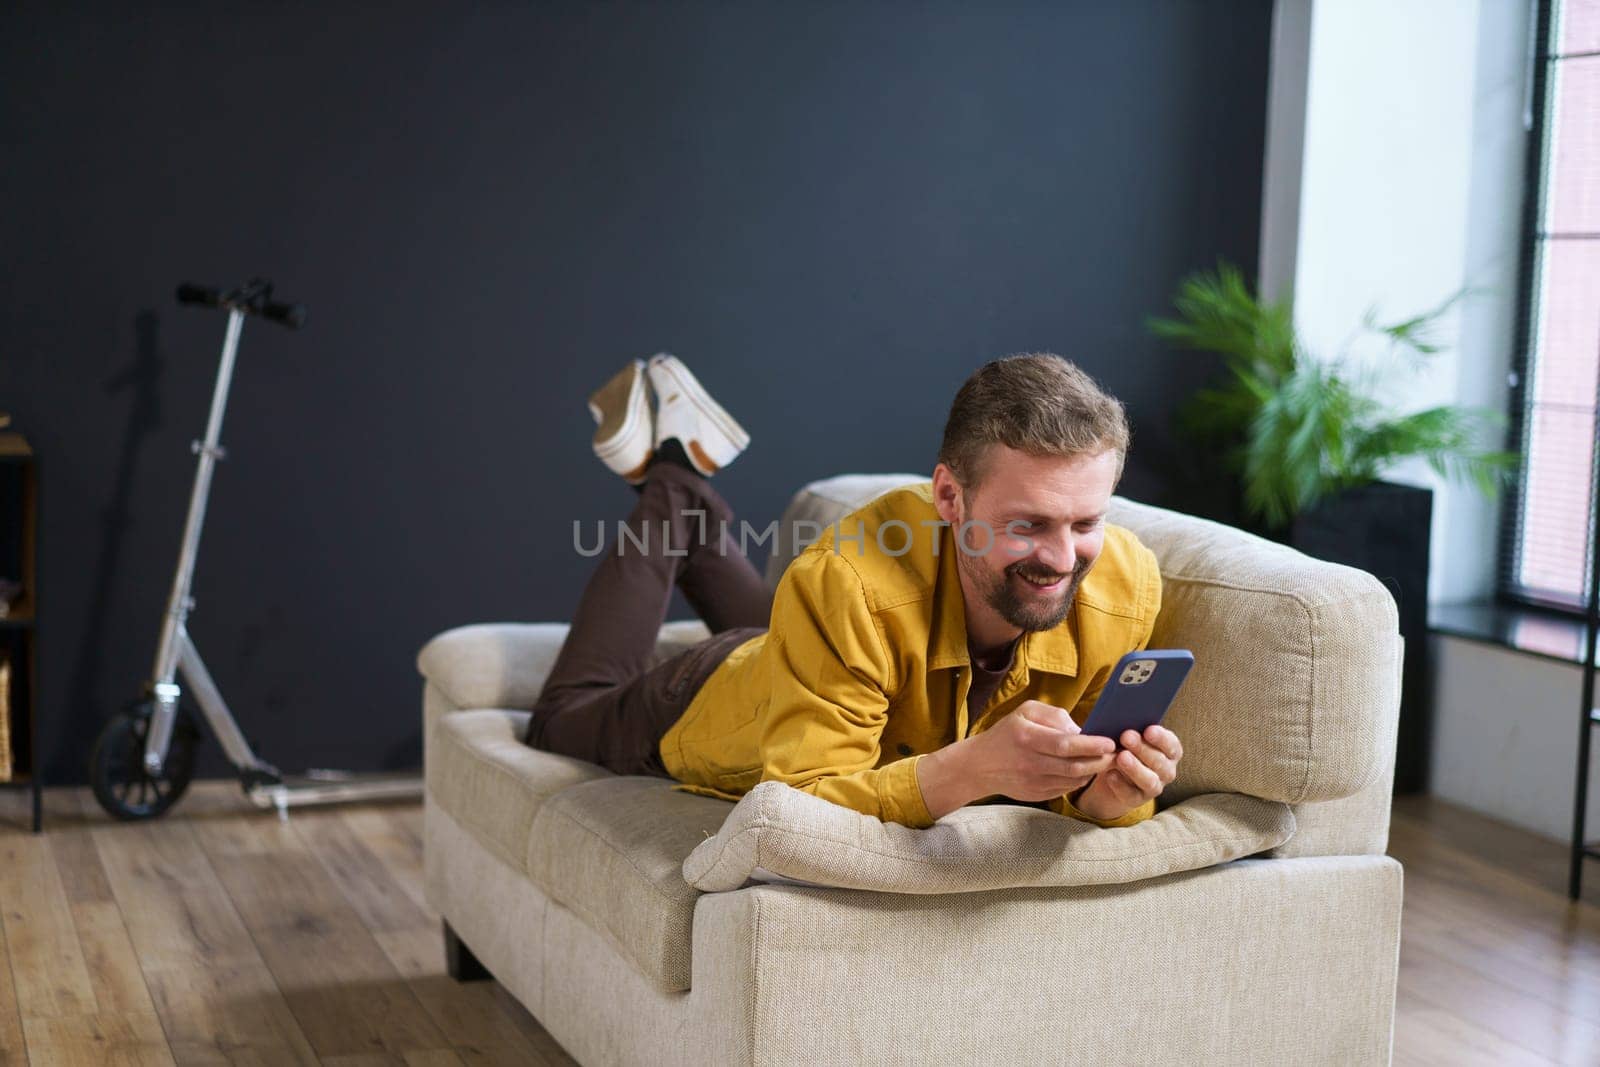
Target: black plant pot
{"type": "Point", "coordinates": [1384, 529]}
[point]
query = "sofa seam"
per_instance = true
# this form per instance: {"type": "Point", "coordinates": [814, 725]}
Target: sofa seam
{"type": "Point", "coordinates": [755, 978]}
{"type": "Point", "coordinates": [1287, 594]}
{"type": "Point", "coordinates": [1311, 719]}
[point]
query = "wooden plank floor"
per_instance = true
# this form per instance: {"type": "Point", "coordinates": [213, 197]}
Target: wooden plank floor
{"type": "Point", "coordinates": [219, 935]}
{"type": "Point", "coordinates": [1497, 966]}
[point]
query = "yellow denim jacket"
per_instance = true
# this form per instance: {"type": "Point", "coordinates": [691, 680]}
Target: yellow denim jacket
{"type": "Point", "coordinates": [865, 668]}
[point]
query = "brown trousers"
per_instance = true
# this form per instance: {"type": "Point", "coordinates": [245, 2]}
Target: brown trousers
{"type": "Point", "coordinates": [603, 702]}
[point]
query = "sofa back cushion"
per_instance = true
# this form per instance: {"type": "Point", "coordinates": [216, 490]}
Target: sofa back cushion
{"type": "Point", "coordinates": [1292, 697]}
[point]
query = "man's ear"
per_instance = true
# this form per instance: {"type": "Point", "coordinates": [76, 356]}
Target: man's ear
{"type": "Point", "coordinates": [947, 494]}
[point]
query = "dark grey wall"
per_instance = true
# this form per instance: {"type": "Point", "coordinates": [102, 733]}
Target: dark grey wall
{"type": "Point", "coordinates": [833, 212]}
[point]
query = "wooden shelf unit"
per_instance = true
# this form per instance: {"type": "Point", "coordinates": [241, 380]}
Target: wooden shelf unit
{"type": "Point", "coordinates": [19, 628]}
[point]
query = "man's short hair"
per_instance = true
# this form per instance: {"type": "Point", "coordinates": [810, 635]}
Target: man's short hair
{"type": "Point", "coordinates": [1038, 403]}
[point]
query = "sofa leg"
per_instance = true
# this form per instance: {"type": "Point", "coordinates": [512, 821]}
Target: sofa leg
{"type": "Point", "coordinates": [459, 962]}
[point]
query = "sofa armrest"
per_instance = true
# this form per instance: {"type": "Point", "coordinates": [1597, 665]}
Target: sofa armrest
{"type": "Point", "coordinates": [494, 664]}
{"type": "Point", "coordinates": [505, 664]}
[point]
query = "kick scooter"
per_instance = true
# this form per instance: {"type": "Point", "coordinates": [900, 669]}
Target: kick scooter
{"type": "Point", "coordinates": [143, 759]}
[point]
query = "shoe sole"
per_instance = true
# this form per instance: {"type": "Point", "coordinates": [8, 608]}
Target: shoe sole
{"type": "Point", "coordinates": [620, 419]}
{"type": "Point", "coordinates": [685, 381]}
{"type": "Point", "coordinates": [613, 409]}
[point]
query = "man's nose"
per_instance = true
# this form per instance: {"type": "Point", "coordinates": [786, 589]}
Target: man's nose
{"type": "Point", "coordinates": [1057, 552]}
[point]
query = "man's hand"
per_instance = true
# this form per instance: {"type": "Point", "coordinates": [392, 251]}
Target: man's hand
{"type": "Point", "coordinates": [1035, 753]}
{"type": "Point", "coordinates": [1140, 771]}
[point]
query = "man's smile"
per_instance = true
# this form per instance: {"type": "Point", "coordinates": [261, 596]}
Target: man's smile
{"type": "Point", "coordinates": [1043, 583]}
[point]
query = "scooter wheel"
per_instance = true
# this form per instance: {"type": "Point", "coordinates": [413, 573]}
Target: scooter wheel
{"type": "Point", "coordinates": [116, 766]}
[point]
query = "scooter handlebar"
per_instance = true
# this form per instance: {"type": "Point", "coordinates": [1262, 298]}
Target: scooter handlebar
{"type": "Point", "coordinates": [189, 293]}
{"type": "Point", "coordinates": [250, 298]}
{"type": "Point", "coordinates": [290, 315]}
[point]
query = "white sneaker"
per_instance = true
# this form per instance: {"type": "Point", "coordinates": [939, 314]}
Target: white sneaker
{"type": "Point", "coordinates": [624, 439]}
{"type": "Point", "coordinates": [686, 411]}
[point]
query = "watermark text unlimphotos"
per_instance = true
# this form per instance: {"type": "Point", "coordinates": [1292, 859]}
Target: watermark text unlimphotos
{"type": "Point", "coordinates": [893, 537]}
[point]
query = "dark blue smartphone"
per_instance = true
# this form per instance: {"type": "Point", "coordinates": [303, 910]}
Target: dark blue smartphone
{"type": "Point", "coordinates": [1141, 689]}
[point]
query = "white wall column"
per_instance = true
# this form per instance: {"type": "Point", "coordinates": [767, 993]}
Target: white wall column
{"type": "Point", "coordinates": [1393, 179]}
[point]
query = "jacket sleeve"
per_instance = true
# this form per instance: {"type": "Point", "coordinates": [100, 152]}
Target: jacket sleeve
{"type": "Point", "coordinates": [831, 681]}
{"type": "Point", "coordinates": [1150, 607]}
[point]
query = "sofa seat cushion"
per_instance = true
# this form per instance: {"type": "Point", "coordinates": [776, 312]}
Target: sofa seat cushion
{"type": "Point", "coordinates": [481, 772]}
{"type": "Point", "coordinates": [777, 833]}
{"type": "Point", "coordinates": [612, 851]}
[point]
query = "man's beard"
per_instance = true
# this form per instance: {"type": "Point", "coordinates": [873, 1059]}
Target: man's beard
{"type": "Point", "coordinates": [1027, 614]}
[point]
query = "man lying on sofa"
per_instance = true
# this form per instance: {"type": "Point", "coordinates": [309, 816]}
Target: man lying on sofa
{"type": "Point", "coordinates": [937, 647]}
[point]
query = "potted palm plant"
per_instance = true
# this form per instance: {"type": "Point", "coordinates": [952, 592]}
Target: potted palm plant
{"type": "Point", "coordinates": [1309, 441]}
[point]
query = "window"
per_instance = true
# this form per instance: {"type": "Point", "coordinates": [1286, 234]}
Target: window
{"type": "Point", "coordinates": [1554, 395]}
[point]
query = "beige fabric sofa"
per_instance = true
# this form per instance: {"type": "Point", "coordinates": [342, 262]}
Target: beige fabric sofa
{"type": "Point", "coordinates": [1255, 919]}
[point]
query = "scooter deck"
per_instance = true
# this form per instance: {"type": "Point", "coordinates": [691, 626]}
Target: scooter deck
{"type": "Point", "coordinates": [333, 787]}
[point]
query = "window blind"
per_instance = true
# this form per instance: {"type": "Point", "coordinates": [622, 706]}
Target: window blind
{"type": "Point", "coordinates": [1556, 387]}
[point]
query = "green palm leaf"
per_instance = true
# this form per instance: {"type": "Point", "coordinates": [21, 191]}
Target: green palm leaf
{"type": "Point", "coordinates": [1295, 428]}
